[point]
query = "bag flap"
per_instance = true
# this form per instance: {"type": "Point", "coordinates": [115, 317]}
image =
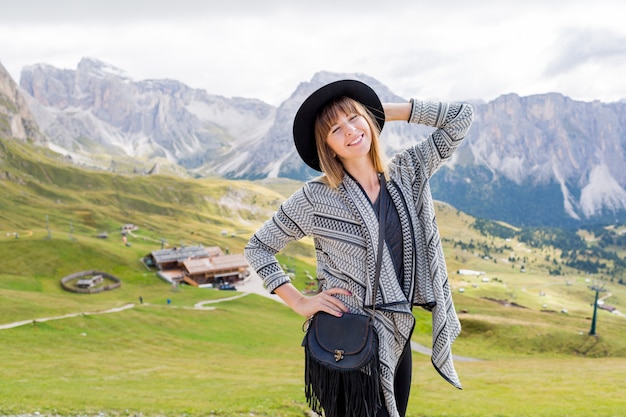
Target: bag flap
{"type": "Point", "coordinates": [349, 332]}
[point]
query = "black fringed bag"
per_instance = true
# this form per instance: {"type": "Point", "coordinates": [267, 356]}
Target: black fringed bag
{"type": "Point", "coordinates": [341, 355]}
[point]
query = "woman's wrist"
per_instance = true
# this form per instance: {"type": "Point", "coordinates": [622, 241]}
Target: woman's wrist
{"type": "Point", "coordinates": [397, 111]}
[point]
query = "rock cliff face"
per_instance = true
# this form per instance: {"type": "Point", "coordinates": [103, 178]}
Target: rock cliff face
{"type": "Point", "coordinates": [543, 159]}
{"type": "Point", "coordinates": [531, 151]}
{"type": "Point", "coordinates": [96, 108]}
{"type": "Point", "coordinates": [16, 120]}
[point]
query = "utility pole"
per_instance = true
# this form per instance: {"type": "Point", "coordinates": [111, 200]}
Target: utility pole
{"type": "Point", "coordinates": [597, 289]}
{"type": "Point", "coordinates": [48, 228]}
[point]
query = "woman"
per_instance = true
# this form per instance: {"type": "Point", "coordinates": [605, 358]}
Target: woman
{"type": "Point", "coordinates": [336, 131]}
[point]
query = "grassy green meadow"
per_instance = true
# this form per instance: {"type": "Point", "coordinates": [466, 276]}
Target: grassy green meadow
{"type": "Point", "coordinates": [243, 357]}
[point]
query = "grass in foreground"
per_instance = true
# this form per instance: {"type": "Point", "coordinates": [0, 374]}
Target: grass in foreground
{"type": "Point", "coordinates": [244, 358]}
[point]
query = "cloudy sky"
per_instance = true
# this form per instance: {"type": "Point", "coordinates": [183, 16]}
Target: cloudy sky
{"type": "Point", "coordinates": [446, 49]}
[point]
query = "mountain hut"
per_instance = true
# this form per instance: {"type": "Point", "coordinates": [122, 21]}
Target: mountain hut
{"type": "Point", "coordinates": [216, 270]}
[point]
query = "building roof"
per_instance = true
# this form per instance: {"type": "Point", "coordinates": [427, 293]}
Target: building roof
{"type": "Point", "coordinates": [215, 265]}
{"type": "Point", "coordinates": [214, 251]}
{"type": "Point", "coordinates": [172, 275]}
{"type": "Point", "coordinates": [179, 254]}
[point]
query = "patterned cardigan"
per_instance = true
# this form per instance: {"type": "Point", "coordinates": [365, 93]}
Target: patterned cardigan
{"type": "Point", "coordinates": [344, 228]}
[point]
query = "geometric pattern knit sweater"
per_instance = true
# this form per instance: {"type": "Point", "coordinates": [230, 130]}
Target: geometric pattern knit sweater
{"type": "Point", "coordinates": [344, 228]}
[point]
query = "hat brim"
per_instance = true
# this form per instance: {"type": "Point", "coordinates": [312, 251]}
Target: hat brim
{"type": "Point", "coordinates": [304, 122]}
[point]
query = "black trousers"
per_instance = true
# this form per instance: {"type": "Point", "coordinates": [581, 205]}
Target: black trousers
{"type": "Point", "coordinates": [402, 385]}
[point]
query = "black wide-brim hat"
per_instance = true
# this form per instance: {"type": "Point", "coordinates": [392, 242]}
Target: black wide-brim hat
{"type": "Point", "coordinates": [304, 122]}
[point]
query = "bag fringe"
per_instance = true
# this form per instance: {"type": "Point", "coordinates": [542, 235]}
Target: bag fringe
{"type": "Point", "coordinates": [361, 388]}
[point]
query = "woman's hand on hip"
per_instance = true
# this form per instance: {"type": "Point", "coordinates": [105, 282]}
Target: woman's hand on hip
{"type": "Point", "coordinates": [323, 301]}
{"type": "Point", "coordinates": [309, 305]}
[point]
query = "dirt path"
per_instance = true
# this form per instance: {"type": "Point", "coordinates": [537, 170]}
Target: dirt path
{"type": "Point", "coordinates": [252, 285]}
{"type": "Point", "coordinates": [41, 320]}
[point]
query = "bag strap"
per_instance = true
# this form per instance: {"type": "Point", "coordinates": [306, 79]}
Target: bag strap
{"type": "Point", "coordinates": [381, 237]}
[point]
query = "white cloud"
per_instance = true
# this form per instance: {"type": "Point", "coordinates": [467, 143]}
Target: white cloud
{"type": "Point", "coordinates": [449, 49]}
{"type": "Point", "coordinates": [580, 47]}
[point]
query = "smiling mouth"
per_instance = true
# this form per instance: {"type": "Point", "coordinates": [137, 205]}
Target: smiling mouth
{"type": "Point", "coordinates": [356, 141]}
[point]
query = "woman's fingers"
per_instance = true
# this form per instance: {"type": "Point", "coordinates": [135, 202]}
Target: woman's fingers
{"type": "Point", "coordinates": [331, 304]}
{"type": "Point", "coordinates": [325, 301]}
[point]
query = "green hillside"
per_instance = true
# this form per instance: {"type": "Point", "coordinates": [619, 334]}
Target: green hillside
{"type": "Point", "coordinates": [527, 317]}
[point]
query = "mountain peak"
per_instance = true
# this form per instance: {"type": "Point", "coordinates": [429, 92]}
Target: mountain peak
{"type": "Point", "coordinates": [16, 120]}
{"type": "Point", "coordinates": [100, 69]}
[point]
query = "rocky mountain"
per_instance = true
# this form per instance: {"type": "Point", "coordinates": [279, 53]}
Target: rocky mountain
{"type": "Point", "coordinates": [543, 159]}
{"type": "Point", "coordinates": [536, 160]}
{"type": "Point", "coordinates": [16, 120]}
{"type": "Point", "coordinates": [97, 108]}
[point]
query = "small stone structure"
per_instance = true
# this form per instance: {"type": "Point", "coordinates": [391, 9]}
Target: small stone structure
{"type": "Point", "coordinates": [88, 282]}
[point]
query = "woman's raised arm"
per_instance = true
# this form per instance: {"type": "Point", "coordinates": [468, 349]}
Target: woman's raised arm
{"type": "Point", "coordinates": [397, 111]}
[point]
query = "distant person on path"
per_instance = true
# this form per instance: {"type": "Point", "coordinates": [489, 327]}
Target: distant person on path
{"type": "Point", "coordinates": [336, 131]}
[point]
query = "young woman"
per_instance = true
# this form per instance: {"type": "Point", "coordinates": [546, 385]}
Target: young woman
{"type": "Point", "coordinates": [336, 131]}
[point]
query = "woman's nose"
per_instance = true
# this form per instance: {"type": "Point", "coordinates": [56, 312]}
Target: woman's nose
{"type": "Point", "coordinates": [350, 128]}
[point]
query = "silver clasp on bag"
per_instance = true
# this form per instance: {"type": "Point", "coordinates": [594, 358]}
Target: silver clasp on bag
{"type": "Point", "coordinates": [338, 355]}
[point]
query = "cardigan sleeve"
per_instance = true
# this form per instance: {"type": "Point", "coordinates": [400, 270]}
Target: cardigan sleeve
{"type": "Point", "coordinates": [452, 122]}
{"type": "Point", "coordinates": [291, 222]}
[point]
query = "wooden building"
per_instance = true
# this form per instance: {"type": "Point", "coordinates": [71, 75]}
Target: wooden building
{"type": "Point", "coordinates": [166, 259]}
{"type": "Point", "coordinates": [197, 265]}
{"type": "Point", "coordinates": [216, 270]}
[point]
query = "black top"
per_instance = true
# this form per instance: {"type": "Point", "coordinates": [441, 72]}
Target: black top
{"type": "Point", "coordinates": [393, 231]}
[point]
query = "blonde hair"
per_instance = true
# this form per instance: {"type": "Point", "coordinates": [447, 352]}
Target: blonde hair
{"type": "Point", "coordinates": [331, 166]}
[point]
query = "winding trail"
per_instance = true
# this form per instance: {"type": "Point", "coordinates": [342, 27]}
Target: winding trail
{"type": "Point", "coordinates": [252, 285]}
{"type": "Point", "coordinates": [66, 316]}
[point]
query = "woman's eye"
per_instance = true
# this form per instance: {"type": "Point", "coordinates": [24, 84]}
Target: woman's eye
{"type": "Point", "coordinates": [354, 116]}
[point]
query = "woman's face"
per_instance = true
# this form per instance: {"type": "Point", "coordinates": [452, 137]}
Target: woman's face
{"type": "Point", "coordinates": [350, 137]}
